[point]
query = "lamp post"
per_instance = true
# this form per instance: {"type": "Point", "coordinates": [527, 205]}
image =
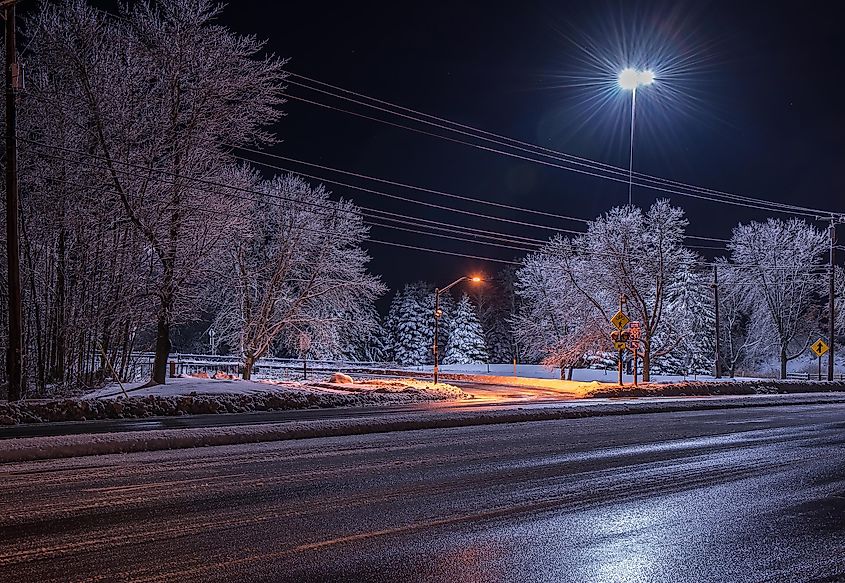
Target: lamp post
{"type": "Point", "coordinates": [629, 80]}
{"type": "Point", "coordinates": [438, 312]}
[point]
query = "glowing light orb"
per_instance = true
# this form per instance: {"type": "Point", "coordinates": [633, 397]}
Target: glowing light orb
{"type": "Point", "coordinates": [628, 79]}
{"type": "Point", "coordinates": [646, 77]}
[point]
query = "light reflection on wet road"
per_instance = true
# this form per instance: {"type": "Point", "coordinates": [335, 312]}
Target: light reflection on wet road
{"type": "Point", "coordinates": [733, 495]}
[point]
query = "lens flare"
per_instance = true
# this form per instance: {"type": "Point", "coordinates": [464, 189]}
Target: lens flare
{"type": "Point", "coordinates": [605, 55]}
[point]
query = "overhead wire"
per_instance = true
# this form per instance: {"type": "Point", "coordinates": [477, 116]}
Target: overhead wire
{"type": "Point", "coordinates": [501, 140]}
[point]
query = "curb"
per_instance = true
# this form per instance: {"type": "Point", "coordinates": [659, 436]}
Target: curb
{"type": "Point", "coordinates": [54, 447]}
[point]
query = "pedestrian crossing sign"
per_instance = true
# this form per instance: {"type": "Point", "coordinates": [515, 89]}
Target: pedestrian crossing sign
{"type": "Point", "coordinates": [619, 320]}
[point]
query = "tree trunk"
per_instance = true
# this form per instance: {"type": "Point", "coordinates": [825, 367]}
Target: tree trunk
{"type": "Point", "coordinates": [783, 363]}
{"type": "Point", "coordinates": [646, 362]}
{"type": "Point", "coordinates": [569, 373]}
{"type": "Point", "coordinates": [249, 362]}
{"type": "Point", "coordinates": [57, 356]}
{"type": "Point", "coordinates": [165, 315]}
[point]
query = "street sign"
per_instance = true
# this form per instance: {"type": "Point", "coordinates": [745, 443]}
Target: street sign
{"type": "Point", "coordinates": [620, 345]}
{"type": "Point", "coordinates": [619, 320]}
{"type": "Point", "coordinates": [819, 347]}
{"type": "Point", "coordinates": [634, 331]}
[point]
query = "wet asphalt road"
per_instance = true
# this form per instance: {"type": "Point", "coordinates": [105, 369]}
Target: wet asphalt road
{"type": "Point", "coordinates": [731, 495]}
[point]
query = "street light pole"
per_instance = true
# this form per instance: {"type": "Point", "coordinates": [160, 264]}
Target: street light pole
{"type": "Point", "coordinates": [631, 154]}
{"type": "Point", "coordinates": [629, 80]}
{"type": "Point", "coordinates": [438, 312]}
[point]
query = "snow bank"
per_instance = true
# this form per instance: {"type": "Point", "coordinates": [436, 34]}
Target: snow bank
{"type": "Point", "coordinates": [191, 396]}
{"type": "Point", "coordinates": [693, 388]}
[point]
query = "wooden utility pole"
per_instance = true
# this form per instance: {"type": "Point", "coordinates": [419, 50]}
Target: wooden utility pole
{"type": "Point", "coordinates": [831, 308]}
{"type": "Point", "coordinates": [14, 357]}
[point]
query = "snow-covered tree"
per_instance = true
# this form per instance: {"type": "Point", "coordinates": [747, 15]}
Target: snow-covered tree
{"type": "Point", "coordinates": [691, 317]}
{"type": "Point", "coordinates": [777, 264]}
{"type": "Point", "coordinates": [625, 252]}
{"type": "Point", "coordinates": [555, 323]}
{"type": "Point", "coordinates": [409, 327]}
{"type": "Point", "coordinates": [496, 303]}
{"type": "Point", "coordinates": [161, 95]}
{"type": "Point", "coordinates": [297, 269]}
{"type": "Point", "coordinates": [741, 326]}
{"type": "Point", "coordinates": [466, 343]}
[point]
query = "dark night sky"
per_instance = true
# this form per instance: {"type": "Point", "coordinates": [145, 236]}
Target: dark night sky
{"type": "Point", "coordinates": [759, 112]}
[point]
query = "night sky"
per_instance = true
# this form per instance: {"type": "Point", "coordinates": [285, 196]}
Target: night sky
{"type": "Point", "coordinates": [756, 111]}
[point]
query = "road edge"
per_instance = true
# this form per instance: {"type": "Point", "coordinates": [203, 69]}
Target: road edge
{"type": "Point", "coordinates": [54, 447]}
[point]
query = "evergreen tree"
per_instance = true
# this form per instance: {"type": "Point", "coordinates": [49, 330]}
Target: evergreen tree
{"type": "Point", "coordinates": [690, 325]}
{"type": "Point", "coordinates": [409, 326]}
{"type": "Point", "coordinates": [466, 343]}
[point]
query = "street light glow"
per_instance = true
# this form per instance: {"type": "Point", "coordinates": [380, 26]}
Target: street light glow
{"type": "Point", "coordinates": [475, 278]}
{"type": "Point", "coordinates": [646, 77]}
{"type": "Point", "coordinates": [629, 78]}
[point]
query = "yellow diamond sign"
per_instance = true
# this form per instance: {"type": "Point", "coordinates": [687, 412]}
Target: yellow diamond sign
{"type": "Point", "coordinates": [819, 347]}
{"type": "Point", "coordinates": [619, 320]}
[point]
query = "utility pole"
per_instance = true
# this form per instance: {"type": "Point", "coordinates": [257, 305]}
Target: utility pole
{"type": "Point", "coordinates": [437, 314]}
{"type": "Point", "coordinates": [718, 339]}
{"type": "Point", "coordinates": [831, 308]}
{"type": "Point", "coordinates": [14, 357]}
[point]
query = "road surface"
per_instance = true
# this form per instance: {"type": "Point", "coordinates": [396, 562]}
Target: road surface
{"type": "Point", "coordinates": [730, 495]}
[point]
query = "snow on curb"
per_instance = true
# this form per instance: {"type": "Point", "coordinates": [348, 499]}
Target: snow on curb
{"type": "Point", "coordinates": [202, 397]}
{"type": "Point", "coordinates": [702, 388]}
{"type": "Point", "coordinates": [39, 448]}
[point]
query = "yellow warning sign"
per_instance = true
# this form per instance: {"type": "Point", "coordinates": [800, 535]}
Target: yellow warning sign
{"type": "Point", "coordinates": [619, 320]}
{"type": "Point", "coordinates": [819, 347]}
{"type": "Point", "coordinates": [619, 345]}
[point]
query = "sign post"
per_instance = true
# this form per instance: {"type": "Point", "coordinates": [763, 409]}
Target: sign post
{"type": "Point", "coordinates": [819, 348]}
{"type": "Point", "coordinates": [619, 336]}
{"type": "Point", "coordinates": [634, 332]}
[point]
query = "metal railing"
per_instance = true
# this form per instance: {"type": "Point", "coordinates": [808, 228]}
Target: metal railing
{"type": "Point", "coordinates": [809, 376]}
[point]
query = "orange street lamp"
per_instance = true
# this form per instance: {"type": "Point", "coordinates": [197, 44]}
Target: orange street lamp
{"type": "Point", "coordinates": [438, 312]}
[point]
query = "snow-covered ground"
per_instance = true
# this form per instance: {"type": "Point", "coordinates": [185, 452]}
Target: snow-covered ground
{"type": "Point", "coordinates": [188, 385]}
{"type": "Point", "coordinates": [538, 371]}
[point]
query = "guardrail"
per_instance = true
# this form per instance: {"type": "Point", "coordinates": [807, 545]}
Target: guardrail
{"type": "Point", "coordinates": [808, 376]}
{"type": "Point", "coordinates": [276, 368]}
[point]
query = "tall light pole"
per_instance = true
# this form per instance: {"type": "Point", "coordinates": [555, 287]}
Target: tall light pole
{"type": "Point", "coordinates": [438, 312]}
{"type": "Point", "coordinates": [629, 80]}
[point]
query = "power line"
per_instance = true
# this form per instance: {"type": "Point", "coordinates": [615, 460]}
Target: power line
{"type": "Point", "coordinates": [276, 196]}
{"type": "Point", "coordinates": [554, 165]}
{"type": "Point", "coordinates": [542, 151]}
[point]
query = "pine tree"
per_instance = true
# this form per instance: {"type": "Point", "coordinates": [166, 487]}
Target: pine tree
{"type": "Point", "coordinates": [466, 339]}
{"type": "Point", "coordinates": [690, 325]}
{"type": "Point", "coordinates": [409, 325]}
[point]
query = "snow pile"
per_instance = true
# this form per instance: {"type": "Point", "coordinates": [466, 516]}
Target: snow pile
{"type": "Point", "coordinates": [421, 387]}
{"type": "Point", "coordinates": [193, 396]}
{"type": "Point", "coordinates": [702, 388]}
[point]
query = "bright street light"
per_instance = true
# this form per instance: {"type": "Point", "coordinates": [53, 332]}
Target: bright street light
{"type": "Point", "coordinates": [629, 80]}
{"type": "Point", "coordinates": [438, 312]}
